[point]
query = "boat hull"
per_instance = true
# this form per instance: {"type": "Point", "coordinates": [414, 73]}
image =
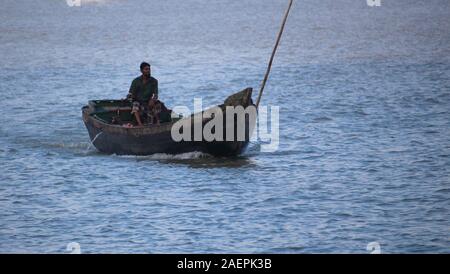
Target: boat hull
{"type": "Point", "coordinates": [147, 140]}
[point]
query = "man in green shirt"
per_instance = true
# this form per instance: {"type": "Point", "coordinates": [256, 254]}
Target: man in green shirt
{"type": "Point", "coordinates": [142, 89]}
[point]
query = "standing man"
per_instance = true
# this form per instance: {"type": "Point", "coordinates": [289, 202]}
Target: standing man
{"type": "Point", "coordinates": [142, 90]}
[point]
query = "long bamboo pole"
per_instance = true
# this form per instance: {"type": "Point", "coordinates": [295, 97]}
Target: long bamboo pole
{"type": "Point", "coordinates": [273, 54]}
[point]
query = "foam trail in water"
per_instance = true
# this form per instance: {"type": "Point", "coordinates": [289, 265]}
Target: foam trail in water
{"type": "Point", "coordinates": [165, 156]}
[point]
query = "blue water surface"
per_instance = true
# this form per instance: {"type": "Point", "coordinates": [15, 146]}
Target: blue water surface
{"type": "Point", "coordinates": [364, 153]}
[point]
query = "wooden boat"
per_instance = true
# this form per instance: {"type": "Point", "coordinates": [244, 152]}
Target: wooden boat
{"type": "Point", "coordinates": [108, 136]}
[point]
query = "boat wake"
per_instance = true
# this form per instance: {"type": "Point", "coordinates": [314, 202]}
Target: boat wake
{"type": "Point", "coordinates": [81, 145]}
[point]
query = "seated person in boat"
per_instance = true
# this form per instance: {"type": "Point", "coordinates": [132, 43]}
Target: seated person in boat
{"type": "Point", "coordinates": [142, 89]}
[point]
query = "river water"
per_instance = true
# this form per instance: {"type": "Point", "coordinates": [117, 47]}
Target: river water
{"type": "Point", "coordinates": [364, 149]}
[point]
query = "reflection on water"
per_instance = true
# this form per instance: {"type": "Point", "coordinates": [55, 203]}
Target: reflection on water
{"type": "Point", "coordinates": [214, 162]}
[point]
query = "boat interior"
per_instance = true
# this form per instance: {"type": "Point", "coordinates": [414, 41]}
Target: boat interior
{"type": "Point", "coordinates": [118, 112]}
